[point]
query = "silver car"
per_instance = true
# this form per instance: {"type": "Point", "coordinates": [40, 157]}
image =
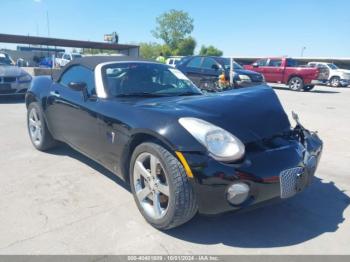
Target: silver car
{"type": "Point", "coordinates": [13, 79]}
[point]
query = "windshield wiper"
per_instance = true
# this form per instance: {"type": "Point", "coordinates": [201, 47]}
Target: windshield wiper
{"type": "Point", "coordinates": [141, 94]}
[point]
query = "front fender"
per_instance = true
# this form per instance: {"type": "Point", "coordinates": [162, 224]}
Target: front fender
{"type": "Point", "coordinates": [38, 90]}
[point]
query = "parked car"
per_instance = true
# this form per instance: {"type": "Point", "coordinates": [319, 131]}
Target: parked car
{"type": "Point", "coordinates": [66, 58]}
{"type": "Point", "coordinates": [203, 70]}
{"type": "Point", "coordinates": [286, 71]}
{"type": "Point", "coordinates": [13, 79]}
{"type": "Point", "coordinates": [46, 62]}
{"type": "Point", "coordinates": [336, 77]}
{"type": "Point", "coordinates": [181, 150]}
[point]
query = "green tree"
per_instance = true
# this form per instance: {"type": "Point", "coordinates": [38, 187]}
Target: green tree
{"type": "Point", "coordinates": [173, 27]}
{"type": "Point", "coordinates": [150, 50]}
{"type": "Point", "coordinates": [185, 47]}
{"type": "Point", "coordinates": [210, 51]}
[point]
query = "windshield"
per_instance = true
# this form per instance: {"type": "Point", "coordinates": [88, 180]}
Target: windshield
{"type": "Point", "coordinates": [332, 66]}
{"type": "Point", "coordinates": [5, 60]}
{"type": "Point", "coordinates": [226, 63]}
{"type": "Point", "coordinates": [146, 79]}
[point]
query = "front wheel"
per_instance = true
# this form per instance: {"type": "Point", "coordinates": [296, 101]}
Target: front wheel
{"type": "Point", "coordinates": [296, 83]}
{"type": "Point", "coordinates": [335, 81]}
{"type": "Point", "coordinates": [161, 189]}
{"type": "Point", "coordinates": [38, 132]}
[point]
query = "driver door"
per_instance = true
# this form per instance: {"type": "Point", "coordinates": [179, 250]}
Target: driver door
{"type": "Point", "coordinates": [261, 67]}
{"type": "Point", "coordinates": [274, 71]}
{"type": "Point", "coordinates": [72, 115]}
{"type": "Point", "coordinates": [210, 67]}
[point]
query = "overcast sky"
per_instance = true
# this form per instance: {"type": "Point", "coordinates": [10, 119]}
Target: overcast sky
{"type": "Point", "coordinates": [239, 28]}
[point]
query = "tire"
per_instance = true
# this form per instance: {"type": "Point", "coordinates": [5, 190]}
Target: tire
{"type": "Point", "coordinates": [308, 88]}
{"type": "Point", "coordinates": [39, 134]}
{"type": "Point", "coordinates": [173, 210]}
{"type": "Point", "coordinates": [296, 83]}
{"type": "Point", "coordinates": [335, 81]}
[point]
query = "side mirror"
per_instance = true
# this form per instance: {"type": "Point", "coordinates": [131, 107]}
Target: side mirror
{"type": "Point", "coordinates": [77, 86]}
{"type": "Point", "coordinates": [215, 67]}
{"type": "Point", "coordinates": [255, 64]}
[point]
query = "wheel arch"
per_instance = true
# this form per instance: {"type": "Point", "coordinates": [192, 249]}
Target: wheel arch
{"type": "Point", "coordinates": [334, 76]}
{"type": "Point", "coordinates": [295, 75]}
{"type": "Point", "coordinates": [30, 98]}
{"type": "Point", "coordinates": [137, 139]}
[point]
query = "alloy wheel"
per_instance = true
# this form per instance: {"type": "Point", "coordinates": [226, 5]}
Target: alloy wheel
{"type": "Point", "coordinates": [151, 185]}
{"type": "Point", "coordinates": [35, 127]}
{"type": "Point", "coordinates": [335, 82]}
{"type": "Point", "coordinates": [295, 84]}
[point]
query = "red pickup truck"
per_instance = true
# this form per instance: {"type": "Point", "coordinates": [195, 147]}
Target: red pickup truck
{"type": "Point", "coordinates": [286, 71]}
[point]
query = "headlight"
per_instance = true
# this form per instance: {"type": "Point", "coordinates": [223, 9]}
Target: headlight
{"type": "Point", "coordinates": [244, 78]}
{"type": "Point", "coordinates": [221, 145]}
{"type": "Point", "coordinates": [25, 78]}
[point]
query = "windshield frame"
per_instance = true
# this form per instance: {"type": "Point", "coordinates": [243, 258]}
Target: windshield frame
{"type": "Point", "coordinates": [101, 78]}
{"type": "Point", "coordinates": [332, 66]}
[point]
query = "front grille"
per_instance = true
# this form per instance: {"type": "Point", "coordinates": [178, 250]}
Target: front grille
{"type": "Point", "coordinates": [7, 79]}
{"type": "Point", "coordinates": [7, 91]}
{"type": "Point", "coordinates": [288, 181]}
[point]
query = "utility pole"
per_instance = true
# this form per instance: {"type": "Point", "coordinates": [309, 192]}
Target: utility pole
{"type": "Point", "coordinates": [231, 71]}
{"type": "Point", "coordinates": [48, 23]}
{"type": "Point", "coordinates": [302, 51]}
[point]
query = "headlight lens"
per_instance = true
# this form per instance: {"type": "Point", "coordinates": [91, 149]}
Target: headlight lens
{"type": "Point", "coordinates": [244, 78]}
{"type": "Point", "coordinates": [25, 78]}
{"type": "Point", "coordinates": [221, 145]}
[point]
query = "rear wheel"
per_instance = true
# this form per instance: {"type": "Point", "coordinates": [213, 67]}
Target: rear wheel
{"type": "Point", "coordinates": [161, 189]}
{"type": "Point", "coordinates": [308, 88]}
{"type": "Point", "coordinates": [335, 81]}
{"type": "Point", "coordinates": [38, 132]}
{"type": "Point", "coordinates": [296, 83]}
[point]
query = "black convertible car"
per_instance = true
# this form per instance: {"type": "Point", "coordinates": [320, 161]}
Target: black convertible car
{"type": "Point", "coordinates": [182, 151]}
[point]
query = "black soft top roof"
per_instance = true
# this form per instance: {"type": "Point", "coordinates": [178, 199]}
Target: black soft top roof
{"type": "Point", "coordinates": [91, 62]}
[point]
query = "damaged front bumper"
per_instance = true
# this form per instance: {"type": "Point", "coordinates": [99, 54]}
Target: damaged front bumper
{"type": "Point", "coordinates": [279, 167]}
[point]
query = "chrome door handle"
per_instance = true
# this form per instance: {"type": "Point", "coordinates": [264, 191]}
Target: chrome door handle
{"type": "Point", "coordinates": [55, 93]}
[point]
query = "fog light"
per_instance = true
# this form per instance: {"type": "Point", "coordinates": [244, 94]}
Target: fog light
{"type": "Point", "coordinates": [237, 193]}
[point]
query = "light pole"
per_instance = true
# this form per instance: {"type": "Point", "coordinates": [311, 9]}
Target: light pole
{"type": "Point", "coordinates": [302, 51]}
{"type": "Point", "coordinates": [48, 23]}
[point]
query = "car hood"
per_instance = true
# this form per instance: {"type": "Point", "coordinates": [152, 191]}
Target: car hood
{"type": "Point", "coordinates": [251, 114]}
{"type": "Point", "coordinates": [343, 71]}
{"type": "Point", "coordinates": [11, 71]}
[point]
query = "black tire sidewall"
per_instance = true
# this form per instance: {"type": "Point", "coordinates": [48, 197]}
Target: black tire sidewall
{"type": "Point", "coordinates": [308, 88]}
{"type": "Point", "coordinates": [152, 148]}
{"type": "Point", "coordinates": [46, 140]}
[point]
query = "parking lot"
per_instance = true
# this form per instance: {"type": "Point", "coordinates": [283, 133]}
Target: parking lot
{"type": "Point", "coordinates": [63, 203]}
